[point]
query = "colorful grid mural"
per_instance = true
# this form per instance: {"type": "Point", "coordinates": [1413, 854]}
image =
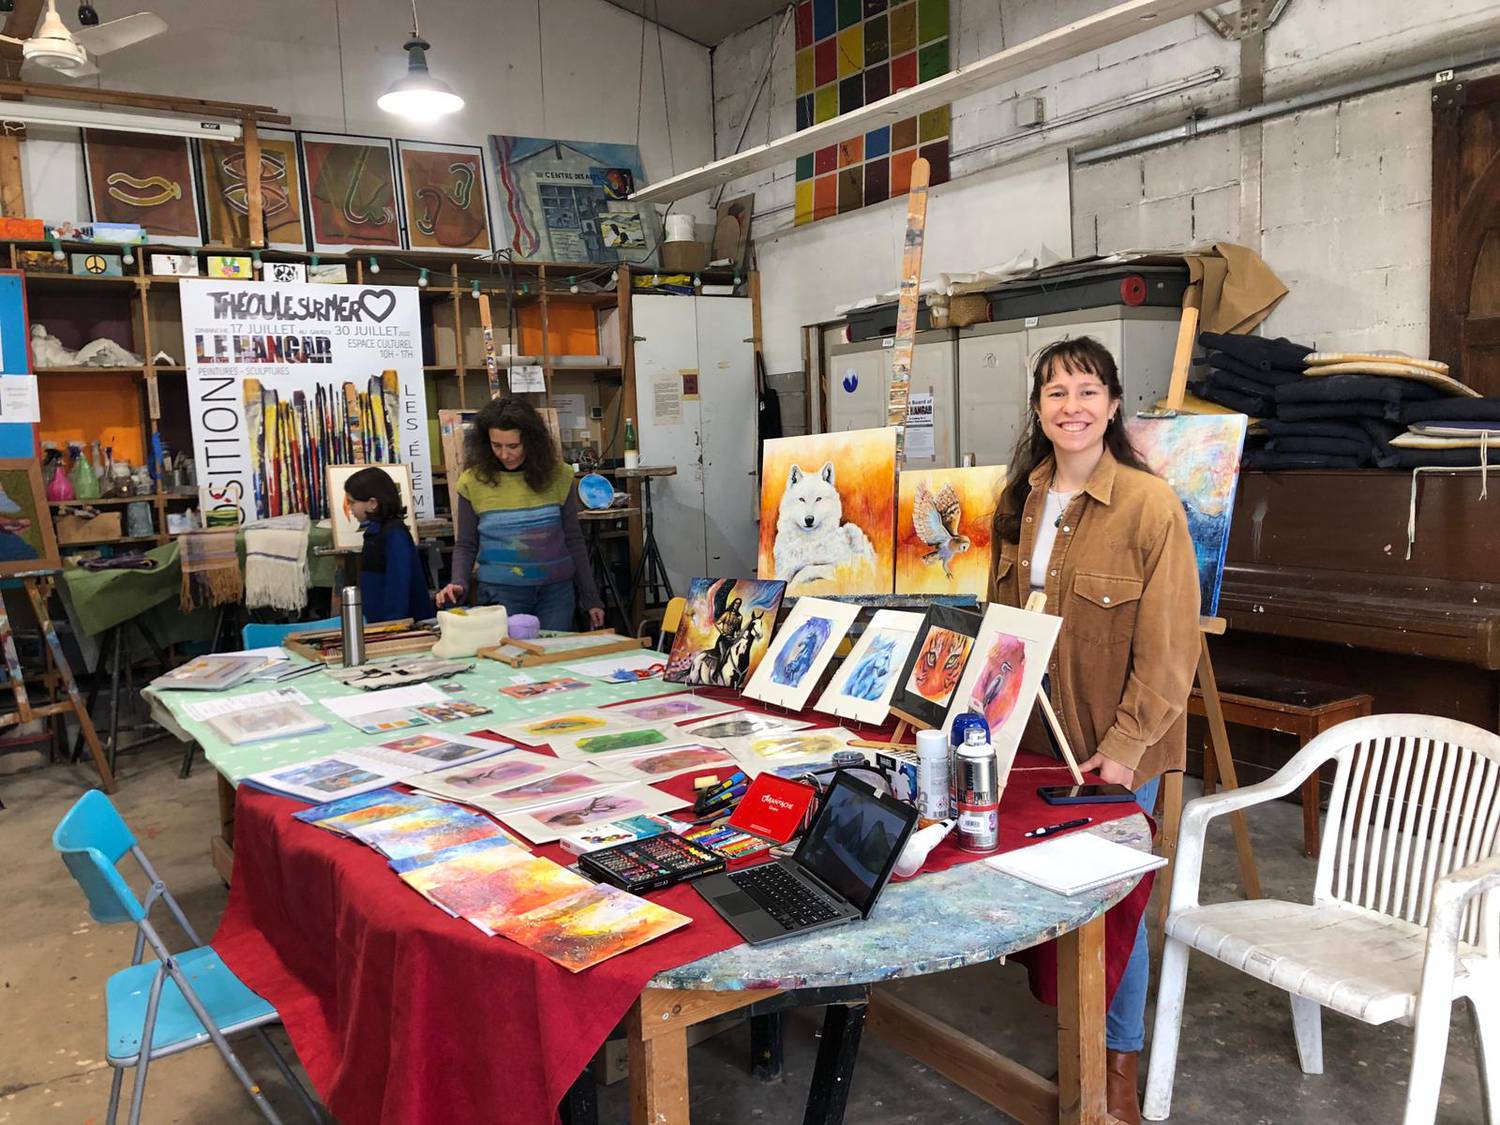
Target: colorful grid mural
{"type": "Point", "coordinates": [850, 53]}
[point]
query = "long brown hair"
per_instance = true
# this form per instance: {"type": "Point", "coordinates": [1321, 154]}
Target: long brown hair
{"type": "Point", "coordinates": [508, 413]}
{"type": "Point", "coordinates": [1084, 354]}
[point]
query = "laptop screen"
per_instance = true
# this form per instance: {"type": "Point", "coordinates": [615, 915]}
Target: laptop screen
{"type": "Point", "coordinates": [853, 842]}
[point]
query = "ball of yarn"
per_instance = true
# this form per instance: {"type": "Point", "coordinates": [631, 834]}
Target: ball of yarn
{"type": "Point", "coordinates": [524, 626]}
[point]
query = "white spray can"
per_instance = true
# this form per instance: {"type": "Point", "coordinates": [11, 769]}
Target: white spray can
{"type": "Point", "coordinates": [932, 777]}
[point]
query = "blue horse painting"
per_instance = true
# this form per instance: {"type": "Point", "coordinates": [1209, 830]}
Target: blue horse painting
{"type": "Point", "coordinates": [800, 651]}
{"type": "Point", "coordinates": [869, 677]}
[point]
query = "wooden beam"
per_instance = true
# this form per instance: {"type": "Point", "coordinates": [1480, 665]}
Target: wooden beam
{"type": "Point", "coordinates": [19, 24]}
{"type": "Point", "coordinates": [661, 1010]}
{"type": "Point", "coordinates": [254, 201]}
{"type": "Point", "coordinates": [1067, 42]}
{"type": "Point", "coordinates": [264, 114]}
{"type": "Point", "coordinates": [12, 183]}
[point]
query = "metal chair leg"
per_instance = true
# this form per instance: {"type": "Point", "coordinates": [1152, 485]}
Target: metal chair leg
{"type": "Point", "coordinates": [286, 1073]}
{"type": "Point", "coordinates": [114, 1096]}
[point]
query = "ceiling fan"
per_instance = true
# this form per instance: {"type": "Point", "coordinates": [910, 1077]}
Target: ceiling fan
{"type": "Point", "coordinates": [69, 53]}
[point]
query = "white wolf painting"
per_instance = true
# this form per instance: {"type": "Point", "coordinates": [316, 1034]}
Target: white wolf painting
{"type": "Point", "coordinates": [812, 540]}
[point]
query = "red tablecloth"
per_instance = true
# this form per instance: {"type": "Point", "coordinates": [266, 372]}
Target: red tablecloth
{"type": "Point", "coordinates": [401, 1013]}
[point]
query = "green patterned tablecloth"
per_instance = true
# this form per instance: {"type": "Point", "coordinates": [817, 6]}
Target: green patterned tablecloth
{"type": "Point", "coordinates": [481, 685]}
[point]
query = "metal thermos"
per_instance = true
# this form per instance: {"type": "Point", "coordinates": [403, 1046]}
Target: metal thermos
{"type": "Point", "coordinates": [352, 614]}
{"type": "Point", "coordinates": [976, 793]}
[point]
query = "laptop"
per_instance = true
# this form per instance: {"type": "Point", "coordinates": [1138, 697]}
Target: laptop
{"type": "Point", "coordinates": [838, 871]}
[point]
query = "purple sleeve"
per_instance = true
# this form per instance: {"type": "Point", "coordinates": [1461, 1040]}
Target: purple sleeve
{"type": "Point", "coordinates": [465, 543]}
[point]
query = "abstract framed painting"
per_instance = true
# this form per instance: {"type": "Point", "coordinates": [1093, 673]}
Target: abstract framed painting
{"type": "Point", "coordinates": [446, 198]}
{"type": "Point", "coordinates": [801, 652]}
{"type": "Point", "coordinates": [347, 535]}
{"type": "Point", "coordinates": [27, 541]}
{"type": "Point", "coordinates": [226, 191]}
{"type": "Point", "coordinates": [862, 687]}
{"type": "Point", "coordinates": [935, 665]}
{"type": "Point", "coordinates": [1004, 674]}
{"type": "Point", "coordinates": [569, 201]}
{"type": "Point", "coordinates": [725, 631]}
{"type": "Point", "coordinates": [827, 504]}
{"type": "Point", "coordinates": [351, 192]}
{"type": "Point", "coordinates": [138, 178]}
{"type": "Point", "coordinates": [1199, 456]}
{"type": "Point", "coordinates": [943, 519]}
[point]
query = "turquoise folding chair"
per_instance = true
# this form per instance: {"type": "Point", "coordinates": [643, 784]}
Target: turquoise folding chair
{"type": "Point", "coordinates": [158, 1008]}
{"type": "Point", "coordinates": [254, 635]}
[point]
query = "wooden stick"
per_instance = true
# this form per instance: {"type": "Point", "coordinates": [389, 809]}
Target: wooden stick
{"type": "Point", "coordinates": [1171, 821]}
{"type": "Point", "coordinates": [38, 593]}
{"type": "Point", "coordinates": [1182, 357]}
{"type": "Point", "coordinates": [255, 231]}
{"type": "Point", "coordinates": [487, 330]}
{"type": "Point", "coordinates": [1062, 739]}
{"type": "Point", "coordinates": [1218, 735]}
{"type": "Point", "coordinates": [907, 306]}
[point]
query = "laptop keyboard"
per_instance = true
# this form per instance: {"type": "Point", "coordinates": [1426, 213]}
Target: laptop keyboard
{"type": "Point", "coordinates": [785, 898]}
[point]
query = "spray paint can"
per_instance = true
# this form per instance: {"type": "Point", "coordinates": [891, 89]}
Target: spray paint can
{"type": "Point", "coordinates": [352, 615]}
{"type": "Point", "coordinates": [976, 793]}
{"type": "Point", "coordinates": [933, 780]}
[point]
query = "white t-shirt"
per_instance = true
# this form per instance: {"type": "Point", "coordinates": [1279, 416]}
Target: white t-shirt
{"type": "Point", "coordinates": [1046, 535]}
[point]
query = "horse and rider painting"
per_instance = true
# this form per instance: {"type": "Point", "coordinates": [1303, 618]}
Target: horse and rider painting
{"type": "Point", "coordinates": [726, 627]}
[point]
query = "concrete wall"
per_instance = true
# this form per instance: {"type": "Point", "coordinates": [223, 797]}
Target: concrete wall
{"type": "Point", "coordinates": [1337, 199]}
{"type": "Point", "coordinates": [564, 68]}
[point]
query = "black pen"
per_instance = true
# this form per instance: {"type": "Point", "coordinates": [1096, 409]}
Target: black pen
{"type": "Point", "coordinates": [1047, 830]}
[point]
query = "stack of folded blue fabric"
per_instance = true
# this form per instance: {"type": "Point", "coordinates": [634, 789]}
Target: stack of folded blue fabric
{"type": "Point", "coordinates": [1243, 372]}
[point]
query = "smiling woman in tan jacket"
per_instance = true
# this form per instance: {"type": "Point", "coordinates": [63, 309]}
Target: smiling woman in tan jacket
{"type": "Point", "coordinates": [1082, 520]}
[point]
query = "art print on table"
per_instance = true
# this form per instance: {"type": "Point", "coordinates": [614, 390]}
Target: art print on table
{"type": "Point", "coordinates": [1199, 456]}
{"type": "Point", "coordinates": [226, 191]}
{"type": "Point", "coordinates": [827, 504]}
{"type": "Point", "coordinates": [513, 889]}
{"type": "Point", "coordinates": [347, 533]}
{"type": "Point", "coordinates": [862, 686]}
{"type": "Point", "coordinates": [26, 538]}
{"type": "Point", "coordinates": [787, 748]}
{"type": "Point", "coordinates": [657, 765]}
{"type": "Point", "coordinates": [330, 776]}
{"type": "Point", "coordinates": [801, 652]}
{"type": "Point", "coordinates": [145, 179]}
{"type": "Point", "coordinates": [743, 724]}
{"type": "Point", "coordinates": [935, 665]}
{"type": "Point", "coordinates": [560, 724]}
{"type": "Point", "coordinates": [343, 816]}
{"type": "Point", "coordinates": [459, 864]}
{"type": "Point", "coordinates": [1004, 675]}
{"type": "Point", "coordinates": [446, 198]}
{"type": "Point", "coordinates": [351, 192]}
{"type": "Point", "coordinates": [438, 749]}
{"type": "Point", "coordinates": [569, 201]}
{"type": "Point", "coordinates": [452, 710]}
{"type": "Point", "coordinates": [546, 687]}
{"type": "Point", "coordinates": [943, 525]}
{"type": "Point", "coordinates": [672, 708]}
{"type": "Point", "coordinates": [542, 825]}
{"type": "Point", "coordinates": [591, 926]}
{"type": "Point", "coordinates": [622, 740]}
{"type": "Point", "coordinates": [467, 781]}
{"type": "Point", "coordinates": [553, 787]}
{"type": "Point", "coordinates": [426, 830]}
{"type": "Point", "coordinates": [725, 631]}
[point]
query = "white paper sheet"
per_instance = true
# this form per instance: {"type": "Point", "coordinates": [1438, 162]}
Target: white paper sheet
{"type": "Point", "coordinates": [228, 704]}
{"type": "Point", "coordinates": [367, 703]}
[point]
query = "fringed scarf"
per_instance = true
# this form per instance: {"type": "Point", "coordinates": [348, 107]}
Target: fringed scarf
{"type": "Point", "coordinates": [276, 563]}
{"type": "Point", "coordinates": [210, 569]}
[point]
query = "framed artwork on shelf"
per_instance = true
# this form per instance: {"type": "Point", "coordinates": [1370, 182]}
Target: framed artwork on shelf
{"type": "Point", "coordinates": [446, 198]}
{"type": "Point", "coordinates": [935, 666]}
{"type": "Point", "coordinates": [27, 541]}
{"type": "Point", "coordinates": [146, 180]}
{"type": "Point", "coordinates": [351, 192]}
{"type": "Point", "coordinates": [226, 191]}
{"type": "Point", "coordinates": [346, 533]}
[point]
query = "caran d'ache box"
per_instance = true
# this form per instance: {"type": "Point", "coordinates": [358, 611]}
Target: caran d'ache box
{"type": "Point", "coordinates": [773, 808]}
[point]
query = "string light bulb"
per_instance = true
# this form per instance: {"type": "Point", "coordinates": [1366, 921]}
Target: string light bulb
{"type": "Point", "coordinates": [422, 278]}
{"type": "Point", "coordinates": [474, 290]}
{"type": "Point", "coordinates": [374, 265]}
{"type": "Point", "coordinates": [314, 263]}
{"type": "Point", "coordinates": [255, 260]}
{"type": "Point", "coordinates": [57, 250]}
{"type": "Point", "coordinates": [129, 256]}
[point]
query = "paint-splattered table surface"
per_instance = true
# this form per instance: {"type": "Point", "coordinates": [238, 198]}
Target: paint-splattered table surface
{"type": "Point", "coordinates": [966, 915]}
{"type": "Point", "coordinates": [480, 685]}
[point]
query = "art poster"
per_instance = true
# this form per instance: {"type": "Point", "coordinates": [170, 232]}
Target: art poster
{"type": "Point", "coordinates": [347, 535]}
{"type": "Point", "coordinates": [690, 757]}
{"type": "Point", "coordinates": [544, 790]}
{"type": "Point", "coordinates": [446, 199]}
{"type": "Point", "coordinates": [1004, 675]}
{"type": "Point", "coordinates": [590, 926]}
{"type": "Point", "coordinates": [26, 538]}
{"type": "Point", "coordinates": [547, 823]}
{"type": "Point", "coordinates": [801, 652]}
{"type": "Point", "coordinates": [943, 519]}
{"type": "Point", "coordinates": [137, 178]}
{"type": "Point", "coordinates": [672, 708]}
{"type": "Point", "coordinates": [788, 748]}
{"type": "Point", "coordinates": [862, 687]}
{"type": "Point", "coordinates": [351, 192]}
{"type": "Point", "coordinates": [569, 201]}
{"type": "Point", "coordinates": [1199, 456]}
{"type": "Point", "coordinates": [935, 665]}
{"type": "Point", "coordinates": [226, 191]}
{"type": "Point", "coordinates": [477, 779]}
{"type": "Point", "coordinates": [725, 631]}
{"type": "Point", "coordinates": [285, 379]}
{"type": "Point", "coordinates": [743, 724]}
{"type": "Point", "coordinates": [826, 509]}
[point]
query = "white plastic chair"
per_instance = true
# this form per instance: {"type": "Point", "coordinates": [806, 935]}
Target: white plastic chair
{"type": "Point", "coordinates": [1405, 917]}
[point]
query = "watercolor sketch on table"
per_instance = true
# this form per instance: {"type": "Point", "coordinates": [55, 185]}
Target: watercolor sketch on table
{"type": "Point", "coordinates": [801, 652]}
{"type": "Point", "coordinates": [591, 926]}
{"type": "Point", "coordinates": [864, 683]}
{"type": "Point", "coordinates": [546, 823]}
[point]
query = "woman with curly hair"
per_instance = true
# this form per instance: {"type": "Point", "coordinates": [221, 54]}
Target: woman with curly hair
{"type": "Point", "coordinates": [518, 517]}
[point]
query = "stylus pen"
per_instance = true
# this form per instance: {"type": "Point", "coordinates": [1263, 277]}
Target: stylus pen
{"type": "Point", "coordinates": [1047, 830]}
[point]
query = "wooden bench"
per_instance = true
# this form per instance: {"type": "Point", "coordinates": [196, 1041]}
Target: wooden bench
{"type": "Point", "coordinates": [1300, 708]}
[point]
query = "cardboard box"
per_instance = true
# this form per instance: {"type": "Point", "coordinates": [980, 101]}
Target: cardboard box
{"type": "Point", "coordinates": [684, 257]}
{"type": "Point", "coordinates": [42, 261]}
{"type": "Point", "coordinates": [78, 529]}
{"type": "Point", "coordinates": [23, 230]}
{"type": "Point", "coordinates": [230, 267]}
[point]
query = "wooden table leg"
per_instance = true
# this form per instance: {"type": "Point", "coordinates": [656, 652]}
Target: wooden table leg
{"type": "Point", "coordinates": [1081, 1094]}
{"type": "Point", "coordinates": [656, 1030]}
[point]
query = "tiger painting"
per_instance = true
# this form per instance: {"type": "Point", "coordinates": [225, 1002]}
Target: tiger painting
{"type": "Point", "coordinates": [939, 665]}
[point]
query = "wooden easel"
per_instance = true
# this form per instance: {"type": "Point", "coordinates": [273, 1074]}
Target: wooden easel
{"type": "Point", "coordinates": [1213, 708]}
{"type": "Point", "coordinates": [38, 585]}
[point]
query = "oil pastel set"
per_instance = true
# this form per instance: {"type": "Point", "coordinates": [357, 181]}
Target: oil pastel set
{"type": "Point", "coordinates": [650, 864]}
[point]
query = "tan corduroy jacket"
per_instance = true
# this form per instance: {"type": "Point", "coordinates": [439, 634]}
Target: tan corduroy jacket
{"type": "Point", "coordinates": [1124, 578]}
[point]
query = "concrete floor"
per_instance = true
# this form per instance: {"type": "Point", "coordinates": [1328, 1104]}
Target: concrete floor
{"type": "Point", "coordinates": [1238, 1063]}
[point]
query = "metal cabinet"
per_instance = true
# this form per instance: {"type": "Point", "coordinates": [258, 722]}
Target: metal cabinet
{"type": "Point", "coordinates": [859, 380]}
{"type": "Point", "coordinates": [696, 408]}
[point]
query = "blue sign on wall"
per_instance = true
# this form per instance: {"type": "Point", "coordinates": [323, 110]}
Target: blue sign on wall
{"type": "Point", "coordinates": [16, 438]}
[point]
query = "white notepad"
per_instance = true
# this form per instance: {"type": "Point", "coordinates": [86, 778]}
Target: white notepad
{"type": "Point", "coordinates": [1070, 865]}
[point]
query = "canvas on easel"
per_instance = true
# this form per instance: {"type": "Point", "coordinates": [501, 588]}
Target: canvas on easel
{"type": "Point", "coordinates": [862, 687]}
{"type": "Point", "coordinates": [943, 529]}
{"type": "Point", "coordinates": [935, 666]}
{"type": "Point", "coordinates": [347, 535]}
{"type": "Point", "coordinates": [27, 541]}
{"type": "Point", "coordinates": [801, 652]}
{"type": "Point", "coordinates": [1004, 675]}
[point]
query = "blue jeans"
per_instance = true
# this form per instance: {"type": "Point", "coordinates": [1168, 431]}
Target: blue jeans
{"type": "Point", "coordinates": [1125, 1020]}
{"type": "Point", "coordinates": [552, 604]}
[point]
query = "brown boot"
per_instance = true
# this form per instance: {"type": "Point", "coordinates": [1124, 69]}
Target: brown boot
{"type": "Point", "coordinates": [1120, 1075]}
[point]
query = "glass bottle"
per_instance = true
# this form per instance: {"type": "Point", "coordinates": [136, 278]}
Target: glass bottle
{"type": "Point", "coordinates": [632, 446]}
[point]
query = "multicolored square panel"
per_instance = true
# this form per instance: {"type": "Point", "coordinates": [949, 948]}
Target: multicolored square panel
{"type": "Point", "coordinates": [851, 53]}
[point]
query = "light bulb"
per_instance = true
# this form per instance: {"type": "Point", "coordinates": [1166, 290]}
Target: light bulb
{"type": "Point", "coordinates": [474, 290]}
{"type": "Point", "coordinates": [314, 262]}
{"type": "Point", "coordinates": [255, 260]}
{"type": "Point", "coordinates": [129, 256]}
{"type": "Point", "coordinates": [422, 279]}
{"type": "Point", "coordinates": [374, 265]}
{"type": "Point", "coordinates": [57, 251]}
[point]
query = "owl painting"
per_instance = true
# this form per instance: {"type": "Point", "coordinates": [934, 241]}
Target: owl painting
{"type": "Point", "coordinates": [943, 529]}
{"type": "Point", "coordinates": [936, 520]}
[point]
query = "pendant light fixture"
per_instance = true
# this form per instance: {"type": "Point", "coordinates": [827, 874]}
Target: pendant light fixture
{"type": "Point", "coordinates": [419, 96]}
